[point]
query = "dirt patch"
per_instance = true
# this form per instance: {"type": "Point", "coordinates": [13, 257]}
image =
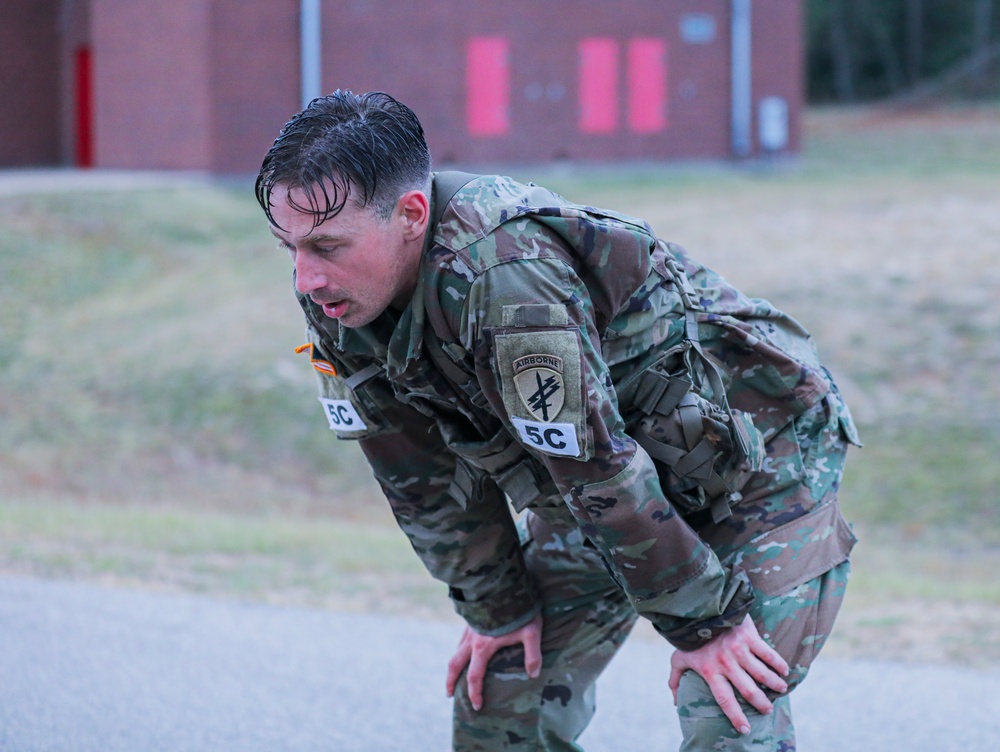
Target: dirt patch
{"type": "Point", "coordinates": [846, 120]}
{"type": "Point", "coordinates": [920, 632]}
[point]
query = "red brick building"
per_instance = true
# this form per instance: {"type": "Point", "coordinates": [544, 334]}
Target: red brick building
{"type": "Point", "coordinates": [206, 84]}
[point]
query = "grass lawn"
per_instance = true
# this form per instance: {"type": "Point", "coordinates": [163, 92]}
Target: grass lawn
{"type": "Point", "coordinates": [157, 430]}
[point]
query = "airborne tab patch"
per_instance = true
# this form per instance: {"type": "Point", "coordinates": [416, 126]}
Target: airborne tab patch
{"type": "Point", "coordinates": [539, 382]}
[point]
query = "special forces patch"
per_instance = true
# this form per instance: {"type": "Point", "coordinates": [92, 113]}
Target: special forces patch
{"type": "Point", "coordinates": [539, 382]}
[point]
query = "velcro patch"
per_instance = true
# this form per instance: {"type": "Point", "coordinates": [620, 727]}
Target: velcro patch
{"type": "Point", "coordinates": [541, 382]}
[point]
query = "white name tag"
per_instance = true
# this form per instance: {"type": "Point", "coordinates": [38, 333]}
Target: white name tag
{"type": "Point", "coordinates": [341, 415]}
{"type": "Point", "coordinates": [552, 438]}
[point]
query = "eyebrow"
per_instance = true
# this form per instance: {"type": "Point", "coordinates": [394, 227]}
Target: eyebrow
{"type": "Point", "coordinates": [313, 239]}
{"type": "Point", "coordinates": [309, 239]}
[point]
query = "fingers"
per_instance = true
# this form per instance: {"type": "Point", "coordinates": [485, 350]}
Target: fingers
{"type": "Point", "coordinates": [738, 663]}
{"type": "Point", "coordinates": [759, 648]}
{"type": "Point", "coordinates": [475, 651]}
{"type": "Point", "coordinates": [532, 659]}
{"type": "Point", "coordinates": [749, 690]}
{"type": "Point", "coordinates": [771, 657]}
{"type": "Point", "coordinates": [746, 673]}
{"type": "Point", "coordinates": [475, 675]}
{"type": "Point", "coordinates": [763, 674]}
{"type": "Point", "coordinates": [457, 665]}
{"type": "Point", "coordinates": [723, 693]}
{"type": "Point", "coordinates": [473, 656]}
{"type": "Point", "coordinates": [724, 677]}
{"type": "Point", "coordinates": [675, 681]}
{"type": "Point", "coordinates": [532, 642]}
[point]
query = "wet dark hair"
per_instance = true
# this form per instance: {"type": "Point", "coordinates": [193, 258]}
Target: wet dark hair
{"type": "Point", "coordinates": [369, 145]}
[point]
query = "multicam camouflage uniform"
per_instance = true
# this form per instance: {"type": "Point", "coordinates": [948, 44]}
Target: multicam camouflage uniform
{"type": "Point", "coordinates": [675, 448]}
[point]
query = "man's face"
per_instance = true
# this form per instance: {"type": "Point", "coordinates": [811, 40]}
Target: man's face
{"type": "Point", "coordinates": [354, 265]}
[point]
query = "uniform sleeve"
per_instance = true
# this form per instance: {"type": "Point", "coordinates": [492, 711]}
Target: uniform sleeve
{"type": "Point", "coordinates": [457, 521]}
{"type": "Point", "coordinates": [537, 332]}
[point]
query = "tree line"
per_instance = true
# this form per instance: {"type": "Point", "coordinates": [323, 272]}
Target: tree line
{"type": "Point", "coordinates": [870, 49]}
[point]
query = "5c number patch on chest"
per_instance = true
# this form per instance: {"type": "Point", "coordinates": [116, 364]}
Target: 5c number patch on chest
{"type": "Point", "coordinates": [342, 415]}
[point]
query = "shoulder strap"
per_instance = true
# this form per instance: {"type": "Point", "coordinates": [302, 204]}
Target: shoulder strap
{"type": "Point", "coordinates": [446, 185]}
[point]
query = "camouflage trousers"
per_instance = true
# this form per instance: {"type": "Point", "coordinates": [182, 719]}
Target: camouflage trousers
{"type": "Point", "coordinates": [587, 618]}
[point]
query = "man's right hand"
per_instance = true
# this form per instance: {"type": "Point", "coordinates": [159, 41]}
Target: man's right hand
{"type": "Point", "coordinates": [475, 651]}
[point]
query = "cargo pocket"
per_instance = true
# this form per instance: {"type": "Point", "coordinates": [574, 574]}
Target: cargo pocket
{"type": "Point", "coordinates": [705, 452]}
{"type": "Point", "coordinates": [787, 556]}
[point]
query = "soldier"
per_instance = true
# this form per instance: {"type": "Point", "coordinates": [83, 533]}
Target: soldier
{"type": "Point", "coordinates": [672, 449]}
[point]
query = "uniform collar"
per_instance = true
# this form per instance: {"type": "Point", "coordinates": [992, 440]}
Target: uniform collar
{"type": "Point", "coordinates": [406, 341]}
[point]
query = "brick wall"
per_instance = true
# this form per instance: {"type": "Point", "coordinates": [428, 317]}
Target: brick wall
{"type": "Point", "coordinates": [422, 60]}
{"type": "Point", "coordinates": [779, 59]}
{"type": "Point", "coordinates": [29, 83]}
{"type": "Point", "coordinates": [207, 84]}
{"type": "Point", "coordinates": [152, 83]}
{"type": "Point", "coordinates": [255, 79]}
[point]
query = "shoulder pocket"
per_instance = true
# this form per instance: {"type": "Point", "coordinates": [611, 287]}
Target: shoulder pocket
{"type": "Point", "coordinates": [538, 363]}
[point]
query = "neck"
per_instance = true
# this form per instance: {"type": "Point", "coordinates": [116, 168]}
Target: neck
{"type": "Point", "coordinates": [413, 253]}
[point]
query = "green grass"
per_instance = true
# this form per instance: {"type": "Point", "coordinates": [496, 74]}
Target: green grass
{"type": "Point", "coordinates": [912, 142]}
{"type": "Point", "coordinates": [147, 326]}
{"type": "Point", "coordinates": [270, 556]}
{"type": "Point", "coordinates": [928, 476]}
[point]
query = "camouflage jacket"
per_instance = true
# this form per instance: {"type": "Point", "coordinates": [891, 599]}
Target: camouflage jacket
{"type": "Point", "coordinates": [520, 371]}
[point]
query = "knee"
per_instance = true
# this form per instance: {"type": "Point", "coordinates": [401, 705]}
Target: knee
{"type": "Point", "coordinates": [704, 726]}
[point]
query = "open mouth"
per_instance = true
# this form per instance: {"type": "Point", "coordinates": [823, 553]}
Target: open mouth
{"type": "Point", "coordinates": [336, 309]}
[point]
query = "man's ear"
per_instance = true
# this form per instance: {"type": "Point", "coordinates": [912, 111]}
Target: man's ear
{"type": "Point", "coordinates": [415, 213]}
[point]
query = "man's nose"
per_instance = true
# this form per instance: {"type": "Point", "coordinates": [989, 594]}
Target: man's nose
{"type": "Point", "coordinates": [308, 276]}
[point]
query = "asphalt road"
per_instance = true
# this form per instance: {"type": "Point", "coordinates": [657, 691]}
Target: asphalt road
{"type": "Point", "coordinates": [85, 668]}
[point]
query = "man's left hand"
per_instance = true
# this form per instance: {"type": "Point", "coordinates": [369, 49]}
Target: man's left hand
{"type": "Point", "coordinates": [735, 660]}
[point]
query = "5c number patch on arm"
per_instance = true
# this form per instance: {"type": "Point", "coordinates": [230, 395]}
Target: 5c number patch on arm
{"type": "Point", "coordinates": [552, 438]}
